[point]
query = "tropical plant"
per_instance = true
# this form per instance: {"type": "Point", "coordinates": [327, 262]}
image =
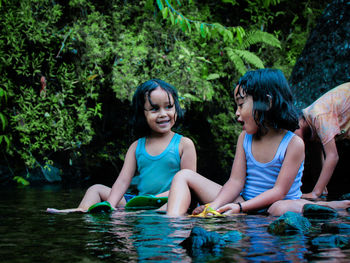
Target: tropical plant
{"type": "Point", "coordinates": [236, 40]}
{"type": "Point", "coordinates": [4, 138]}
{"type": "Point", "coordinates": [51, 105]}
{"type": "Point", "coordinates": [62, 61]}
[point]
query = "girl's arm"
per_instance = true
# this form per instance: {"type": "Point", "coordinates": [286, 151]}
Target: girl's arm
{"type": "Point", "coordinates": [233, 187]}
{"type": "Point", "coordinates": [188, 154]}
{"type": "Point", "coordinates": [289, 170]}
{"type": "Point", "coordinates": [123, 181]}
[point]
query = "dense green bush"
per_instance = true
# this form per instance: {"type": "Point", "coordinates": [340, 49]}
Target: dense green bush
{"type": "Point", "coordinates": [59, 57]}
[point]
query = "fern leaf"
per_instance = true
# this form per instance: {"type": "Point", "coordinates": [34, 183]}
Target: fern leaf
{"type": "Point", "coordinates": [236, 60]}
{"type": "Point", "coordinates": [256, 36]}
{"type": "Point", "coordinates": [249, 57]}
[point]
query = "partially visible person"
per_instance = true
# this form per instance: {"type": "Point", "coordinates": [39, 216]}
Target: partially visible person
{"type": "Point", "coordinates": [156, 157]}
{"type": "Point", "coordinates": [324, 122]}
{"type": "Point", "coordinates": [269, 160]}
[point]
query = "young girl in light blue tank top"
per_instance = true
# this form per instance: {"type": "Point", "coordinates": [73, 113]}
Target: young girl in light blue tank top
{"type": "Point", "coordinates": [156, 157]}
{"type": "Point", "coordinates": [267, 169]}
{"type": "Point", "coordinates": [261, 177]}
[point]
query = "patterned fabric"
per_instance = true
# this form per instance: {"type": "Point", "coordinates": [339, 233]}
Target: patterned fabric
{"type": "Point", "coordinates": [329, 116]}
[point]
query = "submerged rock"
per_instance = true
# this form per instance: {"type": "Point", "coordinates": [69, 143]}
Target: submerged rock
{"type": "Point", "coordinates": [202, 241]}
{"type": "Point", "coordinates": [313, 211]}
{"type": "Point", "coordinates": [289, 223]}
{"type": "Point", "coordinates": [331, 241]}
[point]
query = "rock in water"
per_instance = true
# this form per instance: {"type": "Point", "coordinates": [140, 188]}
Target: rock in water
{"type": "Point", "coordinates": [289, 223]}
{"type": "Point", "coordinates": [202, 242]}
{"type": "Point", "coordinates": [313, 211]}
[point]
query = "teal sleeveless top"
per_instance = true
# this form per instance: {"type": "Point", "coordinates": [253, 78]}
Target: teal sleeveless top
{"type": "Point", "coordinates": [156, 172]}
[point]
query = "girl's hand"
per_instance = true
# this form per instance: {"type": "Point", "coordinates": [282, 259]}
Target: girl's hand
{"type": "Point", "coordinates": [198, 210]}
{"type": "Point", "coordinates": [311, 196]}
{"type": "Point", "coordinates": [229, 209]}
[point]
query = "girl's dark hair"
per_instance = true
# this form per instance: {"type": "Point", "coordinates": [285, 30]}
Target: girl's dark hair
{"type": "Point", "coordinates": [273, 100]}
{"type": "Point", "coordinates": [142, 93]}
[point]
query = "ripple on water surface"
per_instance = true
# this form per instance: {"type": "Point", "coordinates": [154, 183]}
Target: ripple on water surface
{"type": "Point", "coordinates": [28, 234]}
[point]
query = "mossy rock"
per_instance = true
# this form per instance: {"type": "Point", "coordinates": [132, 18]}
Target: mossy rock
{"type": "Point", "coordinates": [289, 223]}
{"type": "Point", "coordinates": [202, 242]}
{"type": "Point", "coordinates": [313, 211]}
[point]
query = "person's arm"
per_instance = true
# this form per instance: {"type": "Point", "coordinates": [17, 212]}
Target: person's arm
{"type": "Point", "coordinates": [289, 170]}
{"type": "Point", "coordinates": [189, 155]}
{"type": "Point", "coordinates": [329, 164]}
{"type": "Point", "coordinates": [233, 187]}
{"type": "Point", "coordinates": [125, 176]}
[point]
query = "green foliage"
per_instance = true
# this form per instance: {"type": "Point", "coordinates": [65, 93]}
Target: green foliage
{"type": "Point", "coordinates": [5, 139]}
{"type": "Point", "coordinates": [59, 58]}
{"type": "Point", "coordinates": [52, 101]}
{"type": "Point", "coordinates": [21, 181]}
{"type": "Point", "coordinates": [236, 39]}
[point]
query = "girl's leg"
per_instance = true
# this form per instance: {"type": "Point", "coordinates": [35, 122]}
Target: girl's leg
{"type": "Point", "coordinates": [185, 182]}
{"type": "Point", "coordinates": [95, 194]}
{"type": "Point", "coordinates": [280, 207]}
{"type": "Point", "coordinates": [342, 204]}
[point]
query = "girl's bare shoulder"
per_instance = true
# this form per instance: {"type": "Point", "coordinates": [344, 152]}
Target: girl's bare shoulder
{"type": "Point", "coordinates": [133, 146]}
{"type": "Point", "coordinates": [186, 142]}
{"type": "Point", "coordinates": [296, 144]}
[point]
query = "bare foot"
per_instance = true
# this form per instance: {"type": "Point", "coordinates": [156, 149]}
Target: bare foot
{"type": "Point", "coordinates": [343, 204]}
{"type": "Point", "coordinates": [60, 211]}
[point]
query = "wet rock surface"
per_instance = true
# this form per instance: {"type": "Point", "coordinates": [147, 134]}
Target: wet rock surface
{"type": "Point", "coordinates": [289, 223]}
{"type": "Point", "coordinates": [202, 242]}
{"type": "Point", "coordinates": [313, 211]}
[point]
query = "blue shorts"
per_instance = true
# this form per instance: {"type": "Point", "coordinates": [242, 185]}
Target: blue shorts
{"type": "Point", "coordinates": [128, 197]}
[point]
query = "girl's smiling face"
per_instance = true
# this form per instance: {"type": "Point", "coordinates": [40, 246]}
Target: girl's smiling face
{"type": "Point", "coordinates": [244, 110]}
{"type": "Point", "coordinates": [160, 111]}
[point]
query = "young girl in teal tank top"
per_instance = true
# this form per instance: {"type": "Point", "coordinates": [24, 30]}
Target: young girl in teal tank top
{"type": "Point", "coordinates": [267, 170]}
{"type": "Point", "coordinates": [156, 157]}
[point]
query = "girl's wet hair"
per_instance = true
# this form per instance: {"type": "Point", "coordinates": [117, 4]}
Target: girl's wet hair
{"type": "Point", "coordinates": [273, 100]}
{"type": "Point", "coordinates": [142, 93]}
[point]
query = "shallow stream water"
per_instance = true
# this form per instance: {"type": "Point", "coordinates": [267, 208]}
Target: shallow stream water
{"type": "Point", "coordinates": [29, 234]}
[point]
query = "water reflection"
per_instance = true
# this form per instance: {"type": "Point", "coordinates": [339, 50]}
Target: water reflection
{"type": "Point", "coordinates": [28, 234]}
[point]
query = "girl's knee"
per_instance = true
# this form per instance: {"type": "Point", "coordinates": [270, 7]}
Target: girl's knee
{"type": "Point", "coordinates": [282, 206]}
{"type": "Point", "coordinates": [275, 209]}
{"type": "Point", "coordinates": [183, 175]}
{"type": "Point", "coordinates": [96, 188]}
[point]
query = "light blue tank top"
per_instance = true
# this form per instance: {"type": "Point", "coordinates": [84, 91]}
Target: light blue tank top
{"type": "Point", "coordinates": [157, 172]}
{"type": "Point", "coordinates": [262, 176]}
